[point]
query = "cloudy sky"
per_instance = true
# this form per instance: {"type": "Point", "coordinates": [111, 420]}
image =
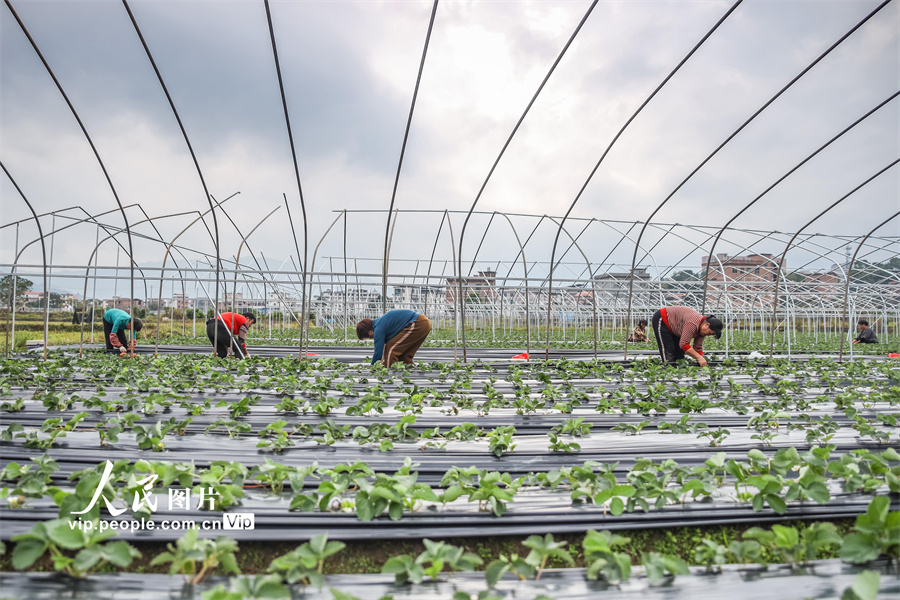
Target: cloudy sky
{"type": "Point", "coordinates": [350, 69]}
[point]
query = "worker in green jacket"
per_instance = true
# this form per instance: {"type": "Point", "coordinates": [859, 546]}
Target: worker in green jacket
{"type": "Point", "coordinates": [116, 324]}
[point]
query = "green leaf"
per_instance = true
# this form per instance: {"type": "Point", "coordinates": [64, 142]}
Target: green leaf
{"type": "Point", "coordinates": [495, 571]}
{"type": "Point", "coordinates": [317, 543]}
{"type": "Point", "coordinates": [365, 509]}
{"type": "Point", "coordinates": [397, 564]}
{"type": "Point", "coordinates": [676, 566]}
{"type": "Point", "coordinates": [623, 490]}
{"type": "Point", "coordinates": [27, 551]}
{"type": "Point", "coordinates": [303, 503]}
{"type": "Point", "coordinates": [717, 460]}
{"type": "Point", "coordinates": [757, 454]}
{"type": "Point", "coordinates": [785, 537]}
{"type": "Point", "coordinates": [404, 568]}
{"type": "Point", "coordinates": [383, 492]}
{"type": "Point", "coordinates": [617, 506]}
{"type": "Point", "coordinates": [119, 553]}
{"type": "Point", "coordinates": [875, 516]}
{"type": "Point", "coordinates": [758, 502]}
{"type": "Point", "coordinates": [818, 491]}
{"type": "Point", "coordinates": [865, 585]}
{"type": "Point", "coordinates": [452, 493]}
{"type": "Point", "coordinates": [228, 563]}
{"type": "Point", "coordinates": [87, 558]}
{"type": "Point", "coordinates": [68, 537]}
{"type": "Point", "coordinates": [776, 503]}
{"type": "Point", "coordinates": [859, 548]}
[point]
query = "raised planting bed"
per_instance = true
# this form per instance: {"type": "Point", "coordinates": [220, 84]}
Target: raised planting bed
{"type": "Point", "coordinates": [490, 448]}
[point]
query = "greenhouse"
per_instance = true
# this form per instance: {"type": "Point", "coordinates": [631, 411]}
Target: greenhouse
{"type": "Point", "coordinates": [463, 300]}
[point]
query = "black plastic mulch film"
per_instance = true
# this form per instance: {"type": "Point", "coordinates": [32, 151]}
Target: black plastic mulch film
{"type": "Point", "coordinates": [531, 511]}
{"type": "Point", "coordinates": [822, 580]}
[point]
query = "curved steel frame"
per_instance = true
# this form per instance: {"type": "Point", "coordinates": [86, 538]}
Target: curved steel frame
{"type": "Point", "coordinates": [795, 297]}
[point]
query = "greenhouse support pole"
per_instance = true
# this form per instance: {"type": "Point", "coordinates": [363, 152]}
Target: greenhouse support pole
{"type": "Point", "coordinates": [87, 270]}
{"type": "Point", "coordinates": [162, 270]}
{"type": "Point", "coordinates": [345, 275]}
{"type": "Point", "coordinates": [43, 255]}
{"type": "Point", "coordinates": [96, 155]}
{"type": "Point", "coordinates": [741, 128]}
{"type": "Point", "coordinates": [388, 228]}
{"type": "Point", "coordinates": [172, 312]}
{"type": "Point", "coordinates": [287, 121]}
{"type": "Point", "coordinates": [503, 150]}
{"type": "Point", "coordinates": [312, 273]}
{"type": "Point", "coordinates": [187, 141]}
{"type": "Point", "coordinates": [455, 311]}
{"type": "Point", "coordinates": [784, 253]}
{"type": "Point", "coordinates": [94, 290]}
{"type": "Point", "coordinates": [237, 261]}
{"type": "Point", "coordinates": [525, 275]}
{"type": "Point", "coordinates": [11, 313]}
{"type": "Point", "coordinates": [50, 264]}
{"type": "Point", "coordinates": [196, 297]}
{"type": "Point", "coordinates": [847, 284]}
{"type": "Point", "coordinates": [712, 249]}
{"type": "Point", "coordinates": [549, 290]}
{"type": "Point", "coordinates": [218, 317]}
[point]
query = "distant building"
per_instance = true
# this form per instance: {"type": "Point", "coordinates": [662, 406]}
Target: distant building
{"type": "Point", "coordinates": [612, 288]}
{"type": "Point", "coordinates": [482, 285]}
{"type": "Point", "coordinates": [68, 301]}
{"type": "Point", "coordinates": [123, 303]}
{"type": "Point", "coordinates": [416, 296]}
{"type": "Point", "coordinates": [30, 296]}
{"type": "Point", "coordinates": [356, 299]}
{"type": "Point", "coordinates": [752, 268]}
{"type": "Point", "coordinates": [749, 280]}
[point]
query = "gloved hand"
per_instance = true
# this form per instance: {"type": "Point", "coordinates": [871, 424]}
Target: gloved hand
{"type": "Point", "coordinates": [132, 345]}
{"type": "Point", "coordinates": [121, 350]}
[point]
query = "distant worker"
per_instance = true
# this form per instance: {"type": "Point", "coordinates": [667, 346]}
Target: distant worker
{"type": "Point", "coordinates": [640, 332]}
{"type": "Point", "coordinates": [866, 333]}
{"type": "Point", "coordinates": [676, 326]}
{"type": "Point", "coordinates": [116, 324]}
{"type": "Point", "coordinates": [398, 335]}
{"type": "Point", "coordinates": [230, 329]}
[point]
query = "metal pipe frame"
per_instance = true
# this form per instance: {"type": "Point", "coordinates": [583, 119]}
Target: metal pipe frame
{"type": "Point", "coordinates": [847, 287]}
{"type": "Point", "coordinates": [810, 222]}
{"type": "Point", "coordinates": [752, 117]}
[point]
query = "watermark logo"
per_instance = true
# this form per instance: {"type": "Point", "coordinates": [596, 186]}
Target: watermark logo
{"type": "Point", "coordinates": [179, 499]}
{"type": "Point", "coordinates": [239, 521]}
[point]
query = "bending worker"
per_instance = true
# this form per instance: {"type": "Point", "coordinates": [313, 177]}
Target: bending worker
{"type": "Point", "coordinates": [230, 329]}
{"type": "Point", "coordinates": [676, 326]}
{"type": "Point", "coordinates": [116, 324]}
{"type": "Point", "coordinates": [866, 334]}
{"type": "Point", "coordinates": [398, 335]}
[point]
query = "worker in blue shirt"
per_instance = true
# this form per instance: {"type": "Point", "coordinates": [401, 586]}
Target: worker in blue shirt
{"type": "Point", "coordinates": [398, 335]}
